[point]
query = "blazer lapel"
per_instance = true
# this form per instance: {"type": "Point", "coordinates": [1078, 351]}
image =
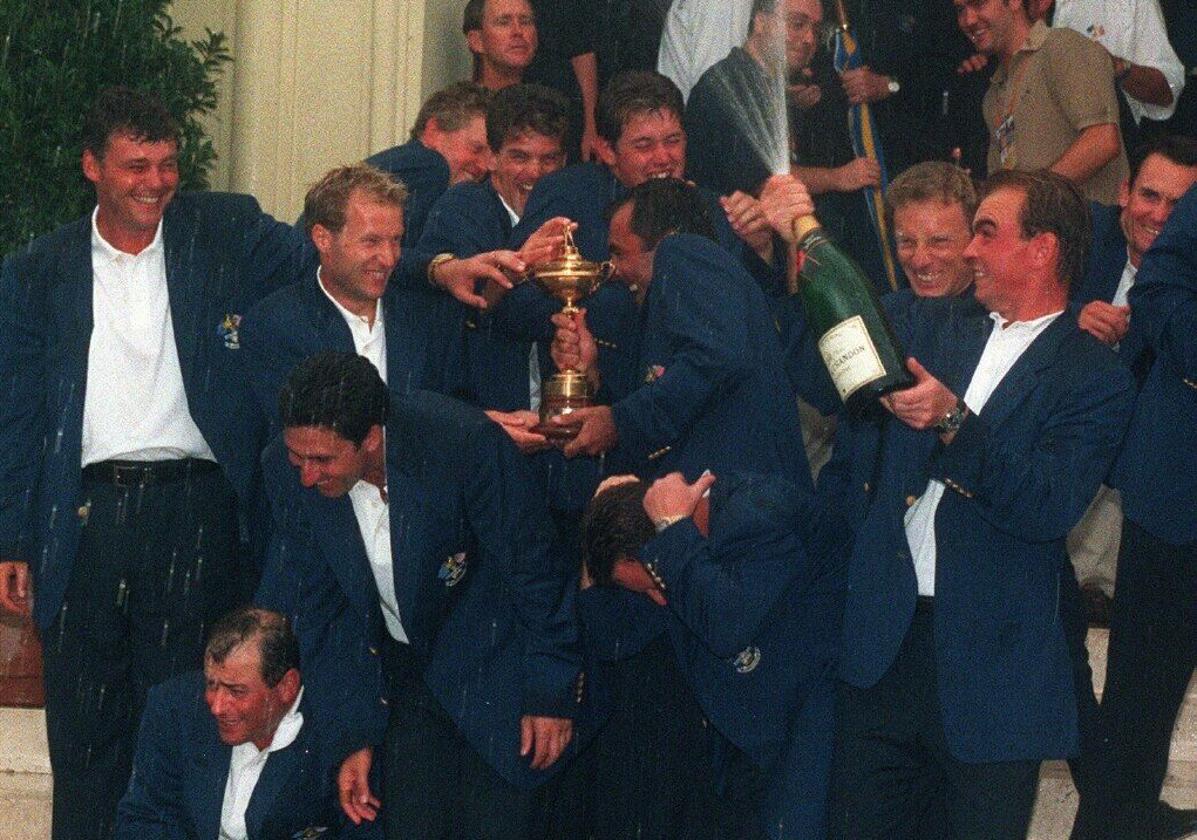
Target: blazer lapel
{"type": "Point", "coordinates": [278, 772]}
{"type": "Point", "coordinates": [78, 291]}
{"type": "Point", "coordinates": [409, 548]}
{"type": "Point", "coordinates": [206, 781]}
{"type": "Point", "coordinates": [331, 329]}
{"type": "Point", "coordinates": [1017, 383]}
{"type": "Point", "coordinates": [179, 247]}
{"type": "Point", "coordinates": [341, 542]}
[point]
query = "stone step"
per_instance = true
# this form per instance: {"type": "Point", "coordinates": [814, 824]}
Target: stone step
{"type": "Point", "coordinates": [25, 804]}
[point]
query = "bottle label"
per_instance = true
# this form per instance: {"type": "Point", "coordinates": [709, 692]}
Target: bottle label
{"type": "Point", "coordinates": [850, 356]}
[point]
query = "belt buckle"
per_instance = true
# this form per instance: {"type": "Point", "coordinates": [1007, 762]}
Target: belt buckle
{"type": "Point", "coordinates": [137, 476]}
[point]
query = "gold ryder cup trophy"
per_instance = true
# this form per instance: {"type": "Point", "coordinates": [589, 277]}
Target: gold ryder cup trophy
{"type": "Point", "coordinates": [569, 278]}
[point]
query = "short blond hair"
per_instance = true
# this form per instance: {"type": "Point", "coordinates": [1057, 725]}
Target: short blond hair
{"type": "Point", "coordinates": [326, 201]}
{"type": "Point", "coordinates": [932, 180]}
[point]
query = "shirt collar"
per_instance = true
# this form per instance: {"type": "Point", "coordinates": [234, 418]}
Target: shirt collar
{"type": "Point", "coordinates": [284, 736]}
{"type": "Point", "coordinates": [1035, 38]}
{"type": "Point", "coordinates": [1024, 326]}
{"type": "Point", "coordinates": [350, 317]}
{"type": "Point", "coordinates": [515, 217]}
{"type": "Point", "coordinates": [103, 249]}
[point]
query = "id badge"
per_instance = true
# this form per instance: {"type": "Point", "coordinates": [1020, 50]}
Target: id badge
{"type": "Point", "coordinates": [1004, 135]}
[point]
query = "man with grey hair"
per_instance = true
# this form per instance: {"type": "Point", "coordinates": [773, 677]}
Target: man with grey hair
{"type": "Point", "coordinates": [233, 751]}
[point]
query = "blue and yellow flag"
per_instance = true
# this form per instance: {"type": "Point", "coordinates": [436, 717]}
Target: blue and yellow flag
{"type": "Point", "coordinates": [865, 141]}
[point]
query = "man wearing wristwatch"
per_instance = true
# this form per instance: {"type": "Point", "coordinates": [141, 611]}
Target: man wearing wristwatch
{"type": "Point", "coordinates": [956, 679]}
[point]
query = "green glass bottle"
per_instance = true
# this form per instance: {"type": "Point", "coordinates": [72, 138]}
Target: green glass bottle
{"type": "Point", "coordinates": [854, 337]}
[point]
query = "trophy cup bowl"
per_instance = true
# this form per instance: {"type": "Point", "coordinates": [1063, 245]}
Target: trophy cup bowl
{"type": "Point", "coordinates": [569, 278]}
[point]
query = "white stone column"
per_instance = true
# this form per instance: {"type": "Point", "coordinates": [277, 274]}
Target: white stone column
{"type": "Point", "coordinates": [316, 83]}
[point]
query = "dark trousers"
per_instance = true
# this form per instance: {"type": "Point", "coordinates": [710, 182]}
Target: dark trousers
{"type": "Point", "coordinates": [1084, 765]}
{"type": "Point", "coordinates": [156, 564]}
{"type": "Point", "coordinates": [893, 767]}
{"type": "Point", "coordinates": [649, 770]}
{"type": "Point", "coordinates": [435, 784]}
{"type": "Point", "coordinates": [1152, 653]}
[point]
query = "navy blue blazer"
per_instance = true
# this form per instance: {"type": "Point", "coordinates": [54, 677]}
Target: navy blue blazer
{"type": "Point", "coordinates": [1019, 476]}
{"type": "Point", "coordinates": [181, 767]}
{"type": "Point", "coordinates": [1107, 257]}
{"type": "Point", "coordinates": [222, 255]}
{"type": "Point", "coordinates": [470, 219]}
{"type": "Point", "coordinates": [481, 597]}
{"type": "Point", "coordinates": [1156, 468]}
{"type": "Point", "coordinates": [754, 619]}
{"type": "Point", "coordinates": [299, 321]}
{"type": "Point", "coordinates": [710, 389]}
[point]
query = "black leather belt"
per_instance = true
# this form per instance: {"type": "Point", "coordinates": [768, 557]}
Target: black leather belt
{"type": "Point", "coordinates": [141, 473]}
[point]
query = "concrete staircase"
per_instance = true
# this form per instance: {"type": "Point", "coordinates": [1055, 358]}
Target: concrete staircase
{"type": "Point", "coordinates": [1056, 805]}
{"type": "Point", "coordinates": [25, 770]}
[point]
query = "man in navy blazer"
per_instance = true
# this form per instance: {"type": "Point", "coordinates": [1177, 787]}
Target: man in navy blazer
{"type": "Point", "coordinates": [525, 127]}
{"type": "Point", "coordinates": [414, 555]}
{"type": "Point", "coordinates": [1152, 649]}
{"type": "Point", "coordinates": [956, 678]}
{"type": "Point", "coordinates": [1161, 171]}
{"type": "Point", "coordinates": [447, 146]}
{"type": "Point", "coordinates": [753, 608]}
{"type": "Point", "coordinates": [709, 390]}
{"type": "Point", "coordinates": [130, 464]}
{"type": "Point", "coordinates": [235, 750]}
{"type": "Point", "coordinates": [355, 217]}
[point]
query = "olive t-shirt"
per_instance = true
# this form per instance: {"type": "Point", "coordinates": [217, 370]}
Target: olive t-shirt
{"type": "Point", "coordinates": [1058, 84]}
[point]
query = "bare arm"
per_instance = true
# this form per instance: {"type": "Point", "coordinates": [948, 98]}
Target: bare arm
{"type": "Point", "coordinates": [1147, 84]}
{"type": "Point", "coordinates": [586, 71]}
{"type": "Point", "coordinates": [854, 175]}
{"type": "Point", "coordinates": [1096, 146]}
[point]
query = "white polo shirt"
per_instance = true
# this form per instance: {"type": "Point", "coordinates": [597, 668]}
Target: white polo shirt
{"type": "Point", "coordinates": [134, 406]}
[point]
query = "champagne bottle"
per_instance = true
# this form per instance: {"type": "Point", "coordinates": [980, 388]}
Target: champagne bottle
{"type": "Point", "coordinates": [854, 337]}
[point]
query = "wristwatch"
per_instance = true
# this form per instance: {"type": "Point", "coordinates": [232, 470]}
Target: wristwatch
{"type": "Point", "coordinates": [954, 419]}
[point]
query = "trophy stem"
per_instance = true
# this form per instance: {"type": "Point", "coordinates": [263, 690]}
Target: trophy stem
{"type": "Point", "coordinates": [564, 392]}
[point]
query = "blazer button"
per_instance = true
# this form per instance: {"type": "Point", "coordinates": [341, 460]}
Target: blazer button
{"type": "Point", "coordinates": [374, 651]}
{"type": "Point", "coordinates": [866, 487]}
{"type": "Point", "coordinates": [83, 512]}
{"type": "Point", "coordinates": [910, 500]}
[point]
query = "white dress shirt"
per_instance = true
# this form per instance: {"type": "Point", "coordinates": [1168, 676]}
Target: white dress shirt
{"type": "Point", "coordinates": [697, 34]}
{"type": "Point", "coordinates": [1122, 293]}
{"type": "Point", "coordinates": [1130, 29]}
{"type": "Point", "coordinates": [374, 521]}
{"type": "Point", "coordinates": [1007, 342]}
{"type": "Point", "coordinates": [369, 341]}
{"type": "Point", "coordinates": [245, 768]}
{"type": "Point", "coordinates": [135, 407]}
{"type": "Point", "coordinates": [533, 355]}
